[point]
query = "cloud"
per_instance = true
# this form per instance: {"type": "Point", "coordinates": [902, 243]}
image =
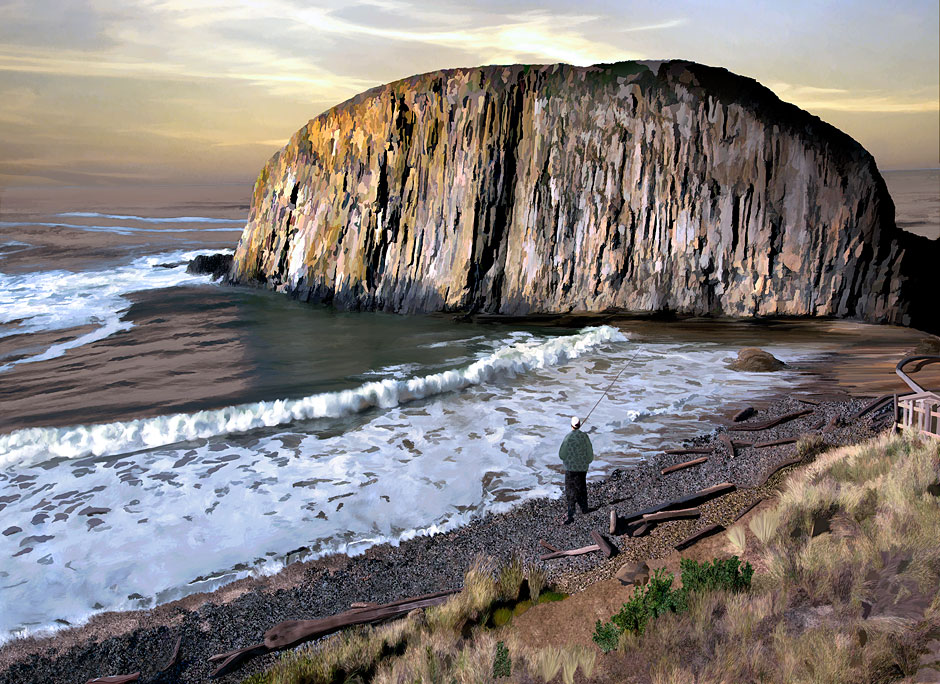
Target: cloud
{"type": "Point", "coordinates": [867, 100]}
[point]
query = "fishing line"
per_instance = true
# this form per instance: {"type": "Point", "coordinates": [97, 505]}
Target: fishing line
{"type": "Point", "coordinates": [583, 422]}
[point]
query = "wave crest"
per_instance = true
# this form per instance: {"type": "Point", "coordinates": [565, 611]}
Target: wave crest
{"type": "Point", "coordinates": [34, 445]}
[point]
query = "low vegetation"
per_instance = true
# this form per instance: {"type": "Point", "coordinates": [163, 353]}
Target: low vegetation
{"type": "Point", "coordinates": [658, 596]}
{"type": "Point", "coordinates": [835, 584]}
{"type": "Point", "coordinates": [846, 584]}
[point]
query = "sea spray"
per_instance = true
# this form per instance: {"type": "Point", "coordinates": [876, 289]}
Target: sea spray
{"type": "Point", "coordinates": [59, 300]}
{"type": "Point", "coordinates": [33, 445]}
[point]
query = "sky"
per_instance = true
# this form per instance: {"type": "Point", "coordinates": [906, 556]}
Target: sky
{"type": "Point", "coordinates": [112, 92]}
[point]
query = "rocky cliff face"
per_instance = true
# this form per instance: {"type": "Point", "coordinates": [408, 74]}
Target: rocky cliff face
{"type": "Point", "coordinates": [638, 186]}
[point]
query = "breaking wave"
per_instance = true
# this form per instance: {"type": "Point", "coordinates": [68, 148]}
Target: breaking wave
{"type": "Point", "coordinates": [33, 445]}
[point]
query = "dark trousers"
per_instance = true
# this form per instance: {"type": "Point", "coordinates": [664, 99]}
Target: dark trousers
{"type": "Point", "coordinates": [576, 491]}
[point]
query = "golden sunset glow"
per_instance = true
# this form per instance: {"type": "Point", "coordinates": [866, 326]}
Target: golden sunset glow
{"type": "Point", "coordinates": [105, 92]}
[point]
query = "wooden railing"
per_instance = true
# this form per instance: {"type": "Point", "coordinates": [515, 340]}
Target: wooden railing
{"type": "Point", "coordinates": [920, 411]}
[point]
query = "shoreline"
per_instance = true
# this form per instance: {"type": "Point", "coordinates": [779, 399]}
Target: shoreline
{"type": "Point", "coordinates": [237, 614]}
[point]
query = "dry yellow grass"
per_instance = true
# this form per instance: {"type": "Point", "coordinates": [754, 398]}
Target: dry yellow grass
{"type": "Point", "coordinates": [846, 593]}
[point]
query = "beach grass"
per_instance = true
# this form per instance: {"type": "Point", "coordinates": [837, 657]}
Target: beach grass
{"type": "Point", "coordinates": [845, 591]}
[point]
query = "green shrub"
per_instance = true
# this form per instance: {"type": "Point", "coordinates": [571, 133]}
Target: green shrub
{"type": "Point", "coordinates": [650, 601]}
{"type": "Point", "coordinates": [502, 664]}
{"type": "Point", "coordinates": [658, 597]}
{"type": "Point", "coordinates": [726, 574]}
{"type": "Point", "coordinates": [606, 636]}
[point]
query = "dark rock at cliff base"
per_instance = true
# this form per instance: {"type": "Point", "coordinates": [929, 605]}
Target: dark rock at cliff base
{"type": "Point", "coordinates": [638, 187]}
{"type": "Point", "coordinates": [216, 265]}
{"type": "Point", "coordinates": [754, 360]}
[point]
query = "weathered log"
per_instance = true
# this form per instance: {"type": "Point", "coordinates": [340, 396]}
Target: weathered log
{"type": "Point", "coordinates": [781, 466]}
{"type": "Point", "coordinates": [672, 515]}
{"type": "Point", "coordinates": [232, 659]}
{"type": "Point", "coordinates": [294, 632]}
{"type": "Point", "coordinates": [744, 414]}
{"type": "Point", "coordinates": [747, 510]}
{"type": "Point", "coordinates": [725, 439]}
{"type": "Point", "coordinates": [832, 424]}
{"type": "Point", "coordinates": [806, 400]}
{"type": "Point", "coordinates": [680, 466]}
{"type": "Point", "coordinates": [115, 679]}
{"type": "Point", "coordinates": [613, 522]}
{"type": "Point", "coordinates": [590, 548]}
{"type": "Point", "coordinates": [174, 656]}
{"type": "Point", "coordinates": [777, 442]}
{"type": "Point", "coordinates": [641, 529]}
{"type": "Point", "coordinates": [770, 423]}
{"type": "Point", "coordinates": [701, 534]}
{"type": "Point", "coordinates": [359, 605]}
{"type": "Point", "coordinates": [694, 450]}
{"type": "Point", "coordinates": [605, 547]}
{"type": "Point", "coordinates": [548, 546]}
{"type": "Point", "coordinates": [883, 399]}
{"type": "Point", "coordinates": [694, 499]}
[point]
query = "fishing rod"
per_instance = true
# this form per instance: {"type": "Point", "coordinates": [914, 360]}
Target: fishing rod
{"type": "Point", "coordinates": [583, 422]}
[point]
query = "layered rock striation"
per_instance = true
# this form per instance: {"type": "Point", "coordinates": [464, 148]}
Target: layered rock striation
{"type": "Point", "coordinates": [637, 186]}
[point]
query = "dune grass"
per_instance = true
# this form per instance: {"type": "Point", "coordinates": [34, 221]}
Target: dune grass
{"type": "Point", "coordinates": [845, 591]}
{"type": "Point", "coordinates": [846, 583]}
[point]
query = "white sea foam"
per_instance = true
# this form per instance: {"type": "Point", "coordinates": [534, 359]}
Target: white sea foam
{"type": "Point", "coordinates": [180, 519]}
{"type": "Point", "coordinates": [150, 219]}
{"type": "Point", "coordinates": [31, 445]}
{"type": "Point", "coordinates": [45, 301]}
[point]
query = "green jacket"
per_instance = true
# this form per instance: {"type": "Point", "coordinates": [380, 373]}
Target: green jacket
{"type": "Point", "coordinates": [576, 451]}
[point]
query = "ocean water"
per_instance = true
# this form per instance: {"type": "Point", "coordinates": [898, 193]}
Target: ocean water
{"type": "Point", "coordinates": [161, 434]}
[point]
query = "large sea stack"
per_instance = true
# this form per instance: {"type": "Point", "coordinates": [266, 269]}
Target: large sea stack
{"type": "Point", "coordinates": [637, 186]}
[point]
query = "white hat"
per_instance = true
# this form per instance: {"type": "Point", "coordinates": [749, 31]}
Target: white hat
{"type": "Point", "coordinates": [575, 422]}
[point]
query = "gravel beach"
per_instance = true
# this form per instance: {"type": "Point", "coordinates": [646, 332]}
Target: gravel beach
{"type": "Point", "coordinates": [238, 615]}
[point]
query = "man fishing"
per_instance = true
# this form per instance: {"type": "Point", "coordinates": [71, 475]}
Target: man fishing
{"type": "Point", "coordinates": [576, 453]}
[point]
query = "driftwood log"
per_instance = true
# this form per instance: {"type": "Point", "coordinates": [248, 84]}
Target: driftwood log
{"type": "Point", "coordinates": [747, 510]}
{"type": "Point", "coordinates": [832, 424]}
{"type": "Point", "coordinates": [294, 632]}
{"type": "Point", "coordinates": [600, 544]}
{"type": "Point", "coordinates": [806, 400]}
{"type": "Point", "coordinates": [115, 679]}
{"type": "Point", "coordinates": [694, 499]}
{"type": "Point", "coordinates": [606, 548]}
{"type": "Point", "coordinates": [725, 439]}
{"type": "Point", "coordinates": [744, 414]}
{"type": "Point", "coordinates": [779, 467]}
{"type": "Point", "coordinates": [691, 450]}
{"type": "Point", "coordinates": [590, 548]}
{"type": "Point", "coordinates": [613, 522]}
{"type": "Point", "coordinates": [777, 442]}
{"type": "Point", "coordinates": [698, 536]}
{"type": "Point", "coordinates": [550, 547]}
{"type": "Point", "coordinates": [771, 423]}
{"type": "Point", "coordinates": [681, 466]}
{"type": "Point", "coordinates": [883, 399]}
{"type": "Point", "coordinates": [672, 515]}
{"type": "Point", "coordinates": [232, 659]}
{"type": "Point", "coordinates": [174, 656]}
{"type": "Point", "coordinates": [641, 529]}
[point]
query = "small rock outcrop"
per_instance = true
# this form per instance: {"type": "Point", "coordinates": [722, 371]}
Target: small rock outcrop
{"type": "Point", "coordinates": [754, 360]}
{"type": "Point", "coordinates": [216, 265]}
{"type": "Point", "coordinates": [637, 186]}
